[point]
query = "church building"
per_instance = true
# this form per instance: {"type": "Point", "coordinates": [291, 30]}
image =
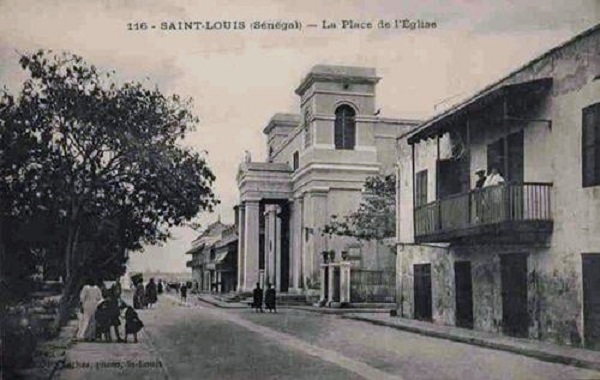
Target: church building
{"type": "Point", "coordinates": [318, 160]}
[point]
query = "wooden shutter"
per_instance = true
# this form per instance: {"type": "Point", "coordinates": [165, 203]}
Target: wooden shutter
{"type": "Point", "coordinates": [421, 188]}
{"type": "Point", "coordinates": [590, 146]}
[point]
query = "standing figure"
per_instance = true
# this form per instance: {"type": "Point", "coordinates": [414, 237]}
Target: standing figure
{"type": "Point", "coordinates": [495, 178]}
{"type": "Point", "coordinates": [494, 197]}
{"type": "Point", "coordinates": [478, 196]}
{"type": "Point", "coordinates": [139, 298]}
{"type": "Point", "coordinates": [480, 178]}
{"type": "Point", "coordinates": [103, 320]}
{"type": "Point", "coordinates": [271, 298]}
{"type": "Point", "coordinates": [183, 290]}
{"type": "Point", "coordinates": [257, 298]}
{"type": "Point", "coordinates": [89, 297]}
{"type": "Point", "coordinates": [114, 309]}
{"type": "Point", "coordinates": [159, 287]}
{"type": "Point", "coordinates": [133, 323]}
{"type": "Point", "coordinates": [151, 293]}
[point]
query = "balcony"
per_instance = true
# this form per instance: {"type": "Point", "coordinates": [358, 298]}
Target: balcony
{"type": "Point", "coordinates": [507, 213]}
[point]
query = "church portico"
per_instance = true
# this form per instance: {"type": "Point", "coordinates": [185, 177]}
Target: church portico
{"type": "Point", "coordinates": [264, 234]}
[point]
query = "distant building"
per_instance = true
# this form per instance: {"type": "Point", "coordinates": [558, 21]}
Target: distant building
{"type": "Point", "coordinates": [318, 160]}
{"type": "Point", "coordinates": [214, 259]}
{"type": "Point", "coordinates": [521, 257]}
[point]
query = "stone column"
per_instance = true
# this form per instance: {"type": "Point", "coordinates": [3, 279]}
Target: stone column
{"type": "Point", "coordinates": [297, 230]}
{"type": "Point", "coordinates": [344, 282]}
{"type": "Point", "coordinates": [271, 245]}
{"type": "Point", "coordinates": [266, 271]}
{"type": "Point", "coordinates": [241, 247]}
{"type": "Point", "coordinates": [331, 284]}
{"type": "Point", "coordinates": [320, 218]}
{"type": "Point", "coordinates": [324, 271]}
{"type": "Point", "coordinates": [277, 245]}
{"type": "Point", "coordinates": [251, 237]}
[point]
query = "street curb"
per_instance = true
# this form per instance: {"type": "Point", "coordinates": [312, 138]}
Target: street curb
{"type": "Point", "coordinates": [336, 311]}
{"type": "Point", "coordinates": [529, 352]}
{"type": "Point", "coordinates": [220, 304]}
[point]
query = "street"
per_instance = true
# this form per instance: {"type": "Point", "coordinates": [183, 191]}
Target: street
{"type": "Point", "coordinates": [203, 342]}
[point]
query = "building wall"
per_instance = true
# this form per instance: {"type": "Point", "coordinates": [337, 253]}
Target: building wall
{"type": "Point", "coordinates": [551, 154]}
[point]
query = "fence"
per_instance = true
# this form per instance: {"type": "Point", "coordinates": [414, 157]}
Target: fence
{"type": "Point", "coordinates": [495, 204]}
{"type": "Point", "coordinates": [374, 286]}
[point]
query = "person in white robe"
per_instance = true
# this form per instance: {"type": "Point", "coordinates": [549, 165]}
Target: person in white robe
{"type": "Point", "coordinates": [89, 298]}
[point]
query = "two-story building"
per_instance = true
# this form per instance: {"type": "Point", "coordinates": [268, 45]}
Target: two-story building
{"type": "Point", "coordinates": [520, 253]}
{"type": "Point", "coordinates": [318, 160]}
{"type": "Point", "coordinates": [214, 259]}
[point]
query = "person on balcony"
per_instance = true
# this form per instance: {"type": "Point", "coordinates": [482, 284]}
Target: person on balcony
{"type": "Point", "coordinates": [480, 178]}
{"type": "Point", "coordinates": [477, 197]}
{"type": "Point", "coordinates": [493, 198]}
{"type": "Point", "coordinates": [494, 178]}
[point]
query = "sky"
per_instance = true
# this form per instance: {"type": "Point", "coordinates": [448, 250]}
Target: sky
{"type": "Point", "coordinates": [239, 78]}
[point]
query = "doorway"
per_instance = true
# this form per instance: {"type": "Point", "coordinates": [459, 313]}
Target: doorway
{"type": "Point", "coordinates": [515, 317]}
{"type": "Point", "coordinates": [422, 291]}
{"type": "Point", "coordinates": [591, 299]}
{"type": "Point", "coordinates": [464, 294]}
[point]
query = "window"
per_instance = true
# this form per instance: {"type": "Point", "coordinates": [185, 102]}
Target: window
{"type": "Point", "coordinates": [421, 188]}
{"type": "Point", "coordinates": [296, 161]}
{"type": "Point", "coordinates": [590, 146]}
{"type": "Point", "coordinates": [345, 127]}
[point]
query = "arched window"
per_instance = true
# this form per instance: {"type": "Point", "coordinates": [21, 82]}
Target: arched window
{"type": "Point", "coordinates": [345, 127]}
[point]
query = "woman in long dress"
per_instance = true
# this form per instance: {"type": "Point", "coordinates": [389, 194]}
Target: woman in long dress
{"type": "Point", "coordinates": [89, 297]}
{"type": "Point", "coordinates": [151, 291]}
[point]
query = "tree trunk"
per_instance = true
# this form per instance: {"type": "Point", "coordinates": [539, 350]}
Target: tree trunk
{"type": "Point", "coordinates": [72, 279]}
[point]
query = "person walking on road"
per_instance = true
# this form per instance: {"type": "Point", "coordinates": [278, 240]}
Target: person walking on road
{"type": "Point", "coordinates": [271, 299]}
{"type": "Point", "coordinates": [183, 291]}
{"type": "Point", "coordinates": [257, 298]}
{"type": "Point", "coordinates": [151, 293]}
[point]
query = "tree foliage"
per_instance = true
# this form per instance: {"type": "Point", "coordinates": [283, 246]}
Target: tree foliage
{"type": "Point", "coordinates": [91, 168]}
{"type": "Point", "coordinates": [375, 219]}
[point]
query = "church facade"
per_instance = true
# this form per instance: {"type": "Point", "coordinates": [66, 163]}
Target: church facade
{"type": "Point", "coordinates": [318, 160]}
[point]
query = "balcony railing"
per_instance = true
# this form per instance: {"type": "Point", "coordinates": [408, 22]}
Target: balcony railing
{"type": "Point", "coordinates": [489, 206]}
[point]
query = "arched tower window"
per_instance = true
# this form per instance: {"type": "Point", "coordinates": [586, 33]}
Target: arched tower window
{"type": "Point", "coordinates": [345, 127]}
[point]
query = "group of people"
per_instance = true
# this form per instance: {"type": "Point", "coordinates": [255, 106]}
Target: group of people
{"type": "Point", "coordinates": [146, 297]}
{"type": "Point", "coordinates": [269, 299]}
{"type": "Point", "coordinates": [100, 309]}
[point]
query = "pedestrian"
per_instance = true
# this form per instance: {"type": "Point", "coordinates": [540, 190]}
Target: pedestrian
{"type": "Point", "coordinates": [89, 297]}
{"type": "Point", "coordinates": [159, 287]}
{"type": "Point", "coordinates": [115, 304]}
{"type": "Point", "coordinates": [257, 299]}
{"type": "Point", "coordinates": [183, 291]}
{"type": "Point", "coordinates": [151, 293]}
{"type": "Point", "coordinates": [139, 298]}
{"type": "Point", "coordinates": [133, 323]}
{"type": "Point", "coordinates": [103, 320]}
{"type": "Point", "coordinates": [271, 299]}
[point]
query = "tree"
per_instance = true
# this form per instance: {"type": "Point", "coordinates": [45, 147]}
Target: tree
{"type": "Point", "coordinates": [103, 165]}
{"type": "Point", "coordinates": [375, 218]}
